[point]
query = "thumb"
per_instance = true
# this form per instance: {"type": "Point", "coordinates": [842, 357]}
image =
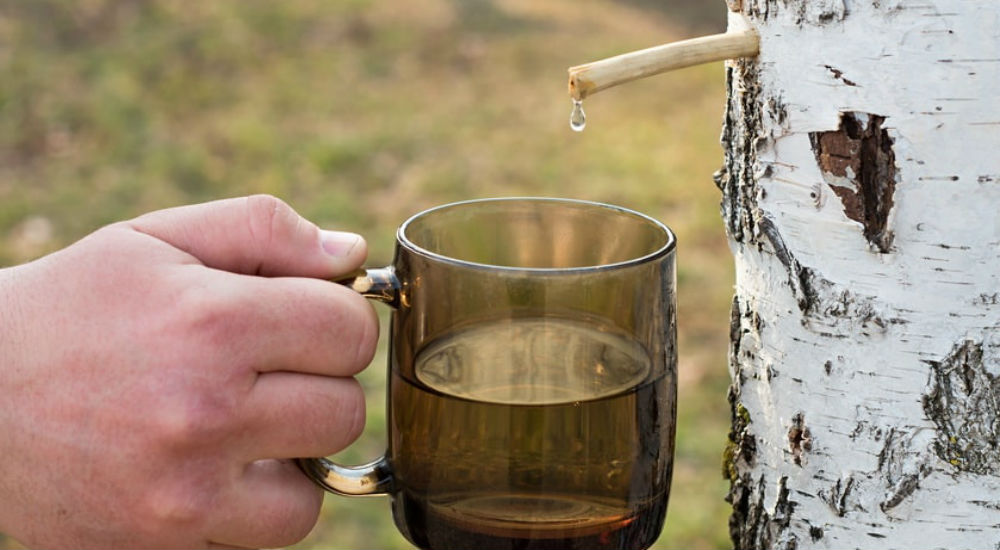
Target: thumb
{"type": "Point", "coordinates": [255, 235]}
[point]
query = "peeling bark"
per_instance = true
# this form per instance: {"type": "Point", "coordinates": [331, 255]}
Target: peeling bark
{"type": "Point", "coordinates": [858, 163]}
{"type": "Point", "coordinates": [859, 194]}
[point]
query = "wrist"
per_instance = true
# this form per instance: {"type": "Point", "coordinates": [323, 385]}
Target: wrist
{"type": "Point", "coordinates": [11, 328]}
{"type": "Point", "coordinates": [11, 338]}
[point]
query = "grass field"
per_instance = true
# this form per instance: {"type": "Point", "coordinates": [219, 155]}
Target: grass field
{"type": "Point", "coordinates": [360, 113]}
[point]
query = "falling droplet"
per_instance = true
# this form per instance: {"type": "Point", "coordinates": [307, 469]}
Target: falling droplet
{"type": "Point", "coordinates": [577, 118]}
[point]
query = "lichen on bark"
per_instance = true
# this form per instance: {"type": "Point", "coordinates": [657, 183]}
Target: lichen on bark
{"type": "Point", "coordinates": [962, 401]}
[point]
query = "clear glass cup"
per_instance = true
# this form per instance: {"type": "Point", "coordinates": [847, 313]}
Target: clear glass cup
{"type": "Point", "coordinates": [532, 377]}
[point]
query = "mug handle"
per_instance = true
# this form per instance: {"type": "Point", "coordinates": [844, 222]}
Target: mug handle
{"type": "Point", "coordinates": [374, 478]}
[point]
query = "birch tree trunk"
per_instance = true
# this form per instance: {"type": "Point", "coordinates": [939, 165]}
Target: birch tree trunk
{"type": "Point", "coordinates": [861, 194]}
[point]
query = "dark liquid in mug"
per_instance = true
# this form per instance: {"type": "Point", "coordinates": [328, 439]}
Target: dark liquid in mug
{"type": "Point", "coordinates": [532, 433]}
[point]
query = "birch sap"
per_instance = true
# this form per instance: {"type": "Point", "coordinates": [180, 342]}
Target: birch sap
{"type": "Point", "coordinates": [558, 441]}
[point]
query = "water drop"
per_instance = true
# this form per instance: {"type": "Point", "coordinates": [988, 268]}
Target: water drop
{"type": "Point", "coordinates": [577, 118]}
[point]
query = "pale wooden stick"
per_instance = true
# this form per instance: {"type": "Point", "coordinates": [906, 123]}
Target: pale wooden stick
{"type": "Point", "coordinates": [739, 40]}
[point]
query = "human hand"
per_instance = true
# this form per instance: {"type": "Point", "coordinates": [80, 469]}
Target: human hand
{"type": "Point", "coordinates": [157, 375]}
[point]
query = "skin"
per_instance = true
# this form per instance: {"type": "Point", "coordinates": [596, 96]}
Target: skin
{"type": "Point", "coordinates": [158, 375]}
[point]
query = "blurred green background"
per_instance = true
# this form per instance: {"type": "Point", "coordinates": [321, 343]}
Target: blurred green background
{"type": "Point", "coordinates": [359, 113]}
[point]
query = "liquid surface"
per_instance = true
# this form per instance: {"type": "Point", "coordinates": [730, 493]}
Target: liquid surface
{"type": "Point", "coordinates": [554, 361]}
{"type": "Point", "coordinates": [532, 433]}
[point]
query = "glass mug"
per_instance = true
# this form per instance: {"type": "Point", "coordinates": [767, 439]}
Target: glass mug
{"type": "Point", "coordinates": [532, 377]}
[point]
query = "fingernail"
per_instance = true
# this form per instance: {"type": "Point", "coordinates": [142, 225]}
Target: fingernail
{"type": "Point", "coordinates": [339, 243]}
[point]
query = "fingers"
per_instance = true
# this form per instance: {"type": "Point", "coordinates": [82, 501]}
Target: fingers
{"type": "Point", "coordinates": [256, 235]}
{"type": "Point", "coordinates": [270, 505]}
{"type": "Point", "coordinates": [291, 415]}
{"type": "Point", "coordinates": [302, 340]}
{"type": "Point", "coordinates": [283, 324]}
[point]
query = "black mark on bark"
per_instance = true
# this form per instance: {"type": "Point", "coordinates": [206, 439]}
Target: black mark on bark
{"type": "Point", "coordinates": [839, 75]}
{"type": "Point", "coordinates": [903, 489]}
{"type": "Point", "coordinates": [736, 331]}
{"type": "Point", "coordinates": [963, 402]}
{"type": "Point", "coordinates": [987, 299]}
{"type": "Point", "coordinates": [837, 496]}
{"type": "Point", "coordinates": [815, 533]}
{"type": "Point", "coordinates": [986, 504]}
{"type": "Point", "coordinates": [761, 8]}
{"type": "Point", "coordinates": [815, 12]}
{"type": "Point", "coordinates": [887, 447]}
{"type": "Point", "coordinates": [902, 466]}
{"type": "Point", "coordinates": [817, 296]}
{"type": "Point", "coordinates": [799, 439]}
{"type": "Point", "coordinates": [858, 163]}
{"type": "Point", "coordinates": [802, 279]}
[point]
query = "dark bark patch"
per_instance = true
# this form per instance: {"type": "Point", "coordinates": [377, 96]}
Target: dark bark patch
{"type": "Point", "coordinates": [799, 439]}
{"type": "Point", "coordinates": [741, 131]}
{"type": "Point", "coordinates": [962, 402]}
{"type": "Point", "coordinates": [752, 526]}
{"type": "Point", "coordinates": [738, 458]}
{"type": "Point", "coordinates": [741, 449]}
{"type": "Point", "coordinates": [859, 165]}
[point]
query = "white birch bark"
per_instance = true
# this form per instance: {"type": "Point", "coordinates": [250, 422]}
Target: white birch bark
{"type": "Point", "coordinates": [861, 194]}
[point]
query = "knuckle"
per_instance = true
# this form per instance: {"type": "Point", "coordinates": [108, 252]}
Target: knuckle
{"type": "Point", "coordinates": [291, 524]}
{"type": "Point", "coordinates": [352, 411]}
{"type": "Point", "coordinates": [181, 505]}
{"type": "Point", "coordinates": [339, 417]}
{"type": "Point", "coordinates": [194, 419]}
{"type": "Point", "coordinates": [212, 317]}
{"type": "Point", "coordinates": [270, 219]}
{"type": "Point", "coordinates": [363, 329]}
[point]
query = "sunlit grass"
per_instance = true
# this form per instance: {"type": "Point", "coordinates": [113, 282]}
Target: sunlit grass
{"type": "Point", "coordinates": [359, 114]}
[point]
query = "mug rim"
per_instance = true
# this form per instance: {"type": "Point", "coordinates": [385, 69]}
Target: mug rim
{"type": "Point", "coordinates": [668, 246]}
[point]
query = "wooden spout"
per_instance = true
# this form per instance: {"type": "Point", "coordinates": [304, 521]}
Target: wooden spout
{"type": "Point", "coordinates": [739, 40]}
